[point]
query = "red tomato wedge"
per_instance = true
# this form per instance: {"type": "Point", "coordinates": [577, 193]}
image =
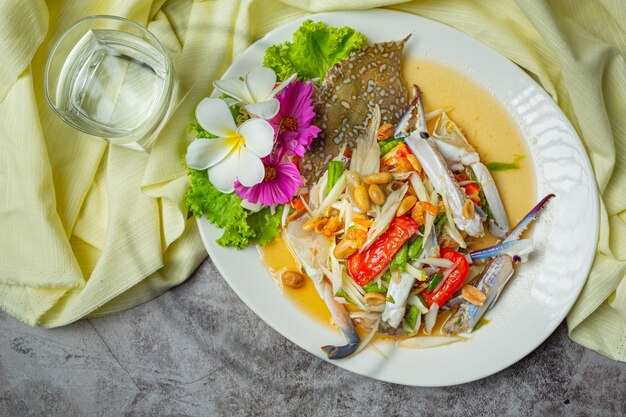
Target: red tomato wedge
{"type": "Point", "coordinates": [364, 266]}
{"type": "Point", "coordinates": [453, 283]}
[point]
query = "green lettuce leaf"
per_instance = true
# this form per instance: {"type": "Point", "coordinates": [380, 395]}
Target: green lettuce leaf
{"type": "Point", "coordinates": [224, 210]}
{"type": "Point", "coordinates": [266, 226]}
{"type": "Point", "coordinates": [314, 50]}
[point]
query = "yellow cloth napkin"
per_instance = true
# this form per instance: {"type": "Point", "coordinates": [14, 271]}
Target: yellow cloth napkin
{"type": "Point", "coordinates": [90, 229]}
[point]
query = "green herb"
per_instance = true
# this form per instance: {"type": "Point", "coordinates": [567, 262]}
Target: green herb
{"type": "Point", "coordinates": [434, 281]}
{"type": "Point", "coordinates": [458, 321]}
{"type": "Point", "coordinates": [421, 300]}
{"type": "Point", "coordinates": [415, 248]}
{"type": "Point", "coordinates": [335, 171]}
{"type": "Point", "coordinates": [440, 220]}
{"type": "Point", "coordinates": [225, 211]}
{"type": "Point", "coordinates": [481, 195]}
{"type": "Point", "coordinates": [421, 288]}
{"type": "Point", "coordinates": [505, 166]}
{"type": "Point", "coordinates": [501, 166]}
{"type": "Point", "coordinates": [342, 293]}
{"type": "Point", "coordinates": [374, 287]}
{"type": "Point", "coordinates": [387, 145]}
{"type": "Point", "coordinates": [386, 276]}
{"type": "Point", "coordinates": [398, 263]}
{"type": "Point", "coordinates": [391, 300]}
{"type": "Point", "coordinates": [410, 317]}
{"type": "Point", "coordinates": [314, 50]}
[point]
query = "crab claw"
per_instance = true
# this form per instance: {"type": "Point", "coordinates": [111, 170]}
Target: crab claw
{"type": "Point", "coordinates": [516, 249]}
{"type": "Point", "coordinates": [343, 321]}
{"type": "Point", "coordinates": [340, 352]}
{"type": "Point", "coordinates": [528, 219]}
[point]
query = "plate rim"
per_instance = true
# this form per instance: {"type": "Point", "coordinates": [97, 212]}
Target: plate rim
{"type": "Point", "coordinates": [586, 167]}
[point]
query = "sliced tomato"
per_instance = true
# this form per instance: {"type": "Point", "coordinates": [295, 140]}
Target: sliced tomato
{"type": "Point", "coordinates": [364, 266]}
{"type": "Point", "coordinates": [472, 190]}
{"type": "Point", "coordinates": [453, 283]}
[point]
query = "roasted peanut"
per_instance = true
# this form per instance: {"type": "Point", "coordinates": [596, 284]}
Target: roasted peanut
{"type": "Point", "coordinates": [296, 215]}
{"type": "Point", "coordinates": [406, 204]}
{"type": "Point", "coordinates": [419, 212]}
{"type": "Point", "coordinates": [378, 178]}
{"type": "Point", "coordinates": [292, 279]}
{"type": "Point", "coordinates": [384, 132]}
{"type": "Point", "coordinates": [329, 211]}
{"type": "Point", "coordinates": [319, 226]}
{"type": "Point", "coordinates": [361, 199]}
{"type": "Point", "coordinates": [377, 195]}
{"type": "Point", "coordinates": [414, 162]}
{"type": "Point", "coordinates": [473, 295]}
{"type": "Point", "coordinates": [468, 209]}
{"type": "Point", "coordinates": [309, 225]}
{"type": "Point", "coordinates": [374, 298]}
{"type": "Point", "coordinates": [344, 249]}
{"type": "Point", "coordinates": [448, 242]}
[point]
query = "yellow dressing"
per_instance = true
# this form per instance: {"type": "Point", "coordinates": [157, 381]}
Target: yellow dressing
{"type": "Point", "coordinates": [277, 258]}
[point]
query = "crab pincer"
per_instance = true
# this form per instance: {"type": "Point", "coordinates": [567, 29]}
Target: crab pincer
{"type": "Point", "coordinates": [495, 276]}
{"type": "Point", "coordinates": [437, 170]}
{"type": "Point", "coordinates": [312, 250]}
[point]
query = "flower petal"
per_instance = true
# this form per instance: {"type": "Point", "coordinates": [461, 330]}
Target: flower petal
{"type": "Point", "coordinates": [284, 84]}
{"type": "Point", "coordinates": [235, 88]}
{"type": "Point", "coordinates": [265, 109]}
{"type": "Point", "coordinates": [224, 174]}
{"type": "Point", "coordinates": [215, 117]}
{"type": "Point", "coordinates": [260, 82]}
{"type": "Point", "coordinates": [205, 153]}
{"type": "Point", "coordinates": [250, 170]}
{"type": "Point", "coordinates": [259, 136]}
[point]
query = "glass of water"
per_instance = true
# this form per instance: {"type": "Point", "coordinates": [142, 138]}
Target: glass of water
{"type": "Point", "coordinates": [110, 77]}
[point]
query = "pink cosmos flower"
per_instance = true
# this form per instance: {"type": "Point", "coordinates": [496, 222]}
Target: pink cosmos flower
{"type": "Point", "coordinates": [292, 123]}
{"type": "Point", "coordinates": [279, 186]}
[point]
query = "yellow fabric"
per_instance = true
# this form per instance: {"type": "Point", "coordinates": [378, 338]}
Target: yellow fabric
{"type": "Point", "coordinates": [90, 229]}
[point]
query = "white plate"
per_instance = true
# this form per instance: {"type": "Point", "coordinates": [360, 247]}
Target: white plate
{"type": "Point", "coordinates": [544, 289]}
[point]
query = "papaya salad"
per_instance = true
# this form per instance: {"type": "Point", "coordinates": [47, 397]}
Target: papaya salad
{"type": "Point", "coordinates": [332, 153]}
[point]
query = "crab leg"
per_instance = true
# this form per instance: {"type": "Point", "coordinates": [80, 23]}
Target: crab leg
{"type": "Point", "coordinates": [311, 249]}
{"type": "Point", "coordinates": [516, 249]}
{"type": "Point", "coordinates": [439, 173]}
{"type": "Point", "coordinates": [399, 293]}
{"type": "Point", "coordinates": [458, 153]}
{"type": "Point", "coordinates": [499, 225]}
{"type": "Point", "coordinates": [493, 279]}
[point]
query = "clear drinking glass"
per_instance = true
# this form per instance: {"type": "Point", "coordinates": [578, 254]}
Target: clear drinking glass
{"type": "Point", "coordinates": [110, 77]}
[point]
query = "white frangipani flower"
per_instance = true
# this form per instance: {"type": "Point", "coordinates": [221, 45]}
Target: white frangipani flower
{"type": "Point", "coordinates": [256, 92]}
{"type": "Point", "coordinates": [236, 153]}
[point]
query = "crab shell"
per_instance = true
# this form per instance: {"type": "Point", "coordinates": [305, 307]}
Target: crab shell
{"type": "Point", "coordinates": [352, 87]}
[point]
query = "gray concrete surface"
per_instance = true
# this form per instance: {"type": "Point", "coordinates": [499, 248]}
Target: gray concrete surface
{"type": "Point", "coordinates": [199, 351]}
